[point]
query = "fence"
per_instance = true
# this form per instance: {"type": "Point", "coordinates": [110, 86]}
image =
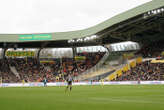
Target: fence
{"type": "Point", "coordinates": [82, 83]}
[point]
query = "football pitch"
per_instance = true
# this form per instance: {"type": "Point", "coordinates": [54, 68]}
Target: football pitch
{"type": "Point", "coordinates": [111, 97]}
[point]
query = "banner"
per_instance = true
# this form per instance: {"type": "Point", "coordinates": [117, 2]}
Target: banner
{"type": "Point", "coordinates": [20, 53]}
{"type": "Point", "coordinates": [112, 76]}
{"type": "Point", "coordinates": [47, 61]}
{"type": "Point", "coordinates": [80, 58]}
{"type": "Point", "coordinates": [139, 60]}
{"type": "Point", "coordinates": [35, 84]}
{"type": "Point", "coordinates": [126, 68]}
{"type": "Point", "coordinates": [133, 64]}
{"type": "Point", "coordinates": [119, 72]}
{"type": "Point", "coordinates": [27, 37]}
{"type": "Point", "coordinates": [128, 55]}
{"type": "Point", "coordinates": [157, 61]}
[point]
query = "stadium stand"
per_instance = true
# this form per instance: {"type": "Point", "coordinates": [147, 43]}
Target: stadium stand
{"type": "Point", "coordinates": [30, 71]}
{"type": "Point", "coordinates": [145, 71]}
{"type": "Point", "coordinates": [143, 24]}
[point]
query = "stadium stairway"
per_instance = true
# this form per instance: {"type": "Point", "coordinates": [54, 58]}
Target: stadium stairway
{"type": "Point", "coordinates": [14, 71]}
{"type": "Point", "coordinates": [100, 76]}
{"type": "Point", "coordinates": [97, 70]}
{"type": "Point", "coordinates": [125, 67]}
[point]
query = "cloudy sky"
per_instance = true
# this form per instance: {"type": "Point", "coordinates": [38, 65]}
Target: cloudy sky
{"type": "Point", "coordinates": [41, 16]}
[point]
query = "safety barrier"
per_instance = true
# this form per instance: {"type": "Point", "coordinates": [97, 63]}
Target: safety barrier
{"type": "Point", "coordinates": [125, 68]}
{"type": "Point", "coordinates": [82, 83]}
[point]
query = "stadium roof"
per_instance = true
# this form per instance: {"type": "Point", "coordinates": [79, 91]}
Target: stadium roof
{"type": "Point", "coordinates": [99, 29]}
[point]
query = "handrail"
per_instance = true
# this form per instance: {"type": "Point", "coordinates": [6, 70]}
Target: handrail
{"type": "Point", "coordinates": [96, 67]}
{"type": "Point", "coordinates": [13, 70]}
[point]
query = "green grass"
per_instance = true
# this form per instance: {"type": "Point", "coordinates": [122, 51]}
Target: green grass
{"type": "Point", "coordinates": [115, 97]}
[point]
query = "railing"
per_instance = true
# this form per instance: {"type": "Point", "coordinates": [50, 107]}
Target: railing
{"type": "Point", "coordinates": [125, 67]}
{"type": "Point", "coordinates": [14, 71]}
{"type": "Point", "coordinates": [96, 67]}
{"type": "Point", "coordinates": [36, 84]}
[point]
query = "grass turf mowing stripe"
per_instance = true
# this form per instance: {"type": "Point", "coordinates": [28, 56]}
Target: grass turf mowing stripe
{"type": "Point", "coordinates": [112, 97]}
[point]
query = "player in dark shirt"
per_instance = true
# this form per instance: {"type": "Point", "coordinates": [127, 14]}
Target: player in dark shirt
{"type": "Point", "coordinates": [69, 80]}
{"type": "Point", "coordinates": [45, 82]}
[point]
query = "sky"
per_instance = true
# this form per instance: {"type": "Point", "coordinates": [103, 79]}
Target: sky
{"type": "Point", "coordinates": [44, 16]}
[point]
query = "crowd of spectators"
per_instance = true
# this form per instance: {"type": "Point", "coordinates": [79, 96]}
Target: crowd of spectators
{"type": "Point", "coordinates": [152, 50]}
{"type": "Point", "coordinates": [57, 70]}
{"type": "Point", "coordinates": [5, 72]}
{"type": "Point", "coordinates": [144, 71]}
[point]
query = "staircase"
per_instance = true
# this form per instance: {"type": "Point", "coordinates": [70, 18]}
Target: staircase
{"type": "Point", "coordinates": [96, 70]}
{"type": "Point", "coordinates": [14, 71]}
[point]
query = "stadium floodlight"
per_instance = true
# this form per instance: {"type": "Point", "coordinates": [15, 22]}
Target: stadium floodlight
{"type": "Point", "coordinates": [69, 41]}
{"type": "Point", "coordinates": [162, 9]}
{"type": "Point", "coordinates": [158, 11]}
{"type": "Point", "coordinates": [80, 40]}
{"type": "Point", "coordinates": [153, 12]}
{"type": "Point", "coordinates": [94, 37]}
{"type": "Point", "coordinates": [149, 13]}
{"type": "Point", "coordinates": [89, 38]}
{"type": "Point", "coordinates": [77, 40]}
{"type": "Point", "coordinates": [86, 39]}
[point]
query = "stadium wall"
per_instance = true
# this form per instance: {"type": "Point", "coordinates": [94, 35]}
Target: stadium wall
{"type": "Point", "coordinates": [81, 83]}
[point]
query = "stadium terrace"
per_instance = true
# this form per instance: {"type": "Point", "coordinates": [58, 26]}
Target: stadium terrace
{"type": "Point", "coordinates": [117, 60]}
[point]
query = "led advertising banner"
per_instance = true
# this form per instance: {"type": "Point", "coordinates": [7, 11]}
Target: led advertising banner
{"type": "Point", "coordinates": [28, 37]}
{"type": "Point", "coordinates": [20, 53]}
{"type": "Point", "coordinates": [80, 58]}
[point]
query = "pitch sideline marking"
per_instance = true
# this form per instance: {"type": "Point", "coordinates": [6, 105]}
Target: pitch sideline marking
{"type": "Point", "coordinates": [126, 100]}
